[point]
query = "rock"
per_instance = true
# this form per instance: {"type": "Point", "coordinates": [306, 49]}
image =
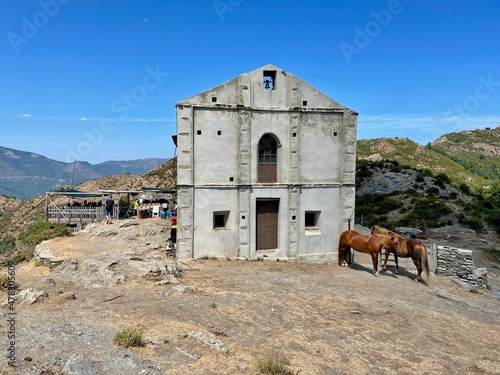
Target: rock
{"type": "Point", "coordinates": [44, 253]}
{"type": "Point", "coordinates": [31, 295]}
{"type": "Point", "coordinates": [209, 340]}
{"type": "Point", "coordinates": [48, 281]}
{"type": "Point", "coordinates": [80, 364]}
{"type": "Point", "coordinates": [408, 231]}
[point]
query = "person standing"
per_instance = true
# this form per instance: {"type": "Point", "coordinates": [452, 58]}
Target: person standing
{"type": "Point", "coordinates": [109, 206]}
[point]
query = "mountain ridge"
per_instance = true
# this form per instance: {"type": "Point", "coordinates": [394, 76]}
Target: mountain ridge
{"type": "Point", "coordinates": [468, 158]}
{"type": "Point", "coordinates": [26, 174]}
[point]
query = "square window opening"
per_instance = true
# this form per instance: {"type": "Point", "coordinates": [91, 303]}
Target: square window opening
{"type": "Point", "coordinates": [214, 99]}
{"type": "Point", "coordinates": [312, 219]}
{"type": "Point", "coordinates": [220, 219]}
{"type": "Point", "coordinates": [198, 132]}
{"type": "Point", "coordinates": [335, 134]}
{"type": "Point", "coordinates": [294, 135]}
{"type": "Point", "coordinates": [304, 102]}
{"type": "Point", "coordinates": [219, 132]}
{"type": "Point", "coordinates": [231, 178]}
{"type": "Point", "coordinates": [269, 77]}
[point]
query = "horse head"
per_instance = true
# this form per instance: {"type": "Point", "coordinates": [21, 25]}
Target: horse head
{"type": "Point", "coordinates": [394, 242]}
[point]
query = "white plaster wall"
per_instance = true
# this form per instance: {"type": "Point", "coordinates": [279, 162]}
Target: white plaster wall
{"type": "Point", "coordinates": [320, 150]}
{"type": "Point", "coordinates": [216, 156]}
{"type": "Point", "coordinates": [324, 242]}
{"type": "Point", "coordinates": [207, 240]}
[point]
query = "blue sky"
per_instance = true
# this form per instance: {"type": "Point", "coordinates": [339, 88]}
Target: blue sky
{"type": "Point", "coordinates": [98, 80]}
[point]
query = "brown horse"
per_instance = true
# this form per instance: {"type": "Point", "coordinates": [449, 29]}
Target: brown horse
{"type": "Point", "coordinates": [406, 248]}
{"type": "Point", "coordinates": [371, 244]}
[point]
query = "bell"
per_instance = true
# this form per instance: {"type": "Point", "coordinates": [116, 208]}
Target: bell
{"type": "Point", "coordinates": [267, 84]}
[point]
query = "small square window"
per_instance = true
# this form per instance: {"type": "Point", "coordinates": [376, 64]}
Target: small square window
{"type": "Point", "coordinates": [312, 223]}
{"type": "Point", "coordinates": [219, 132]}
{"type": "Point", "coordinates": [311, 218]}
{"type": "Point", "coordinates": [198, 132]}
{"type": "Point", "coordinates": [220, 219]}
{"type": "Point", "coordinates": [214, 99]}
{"type": "Point", "coordinates": [294, 217]}
{"type": "Point", "coordinates": [335, 134]}
{"type": "Point", "coordinates": [231, 178]}
{"type": "Point", "coordinates": [304, 102]}
{"type": "Point", "coordinates": [242, 217]}
{"type": "Point", "coordinates": [294, 135]}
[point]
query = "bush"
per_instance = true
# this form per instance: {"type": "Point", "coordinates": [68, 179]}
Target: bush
{"type": "Point", "coordinates": [427, 212]}
{"type": "Point", "coordinates": [443, 178]}
{"type": "Point", "coordinates": [7, 245]}
{"type": "Point", "coordinates": [34, 234]}
{"type": "Point", "coordinates": [432, 191]}
{"type": "Point", "coordinates": [464, 188]}
{"type": "Point", "coordinates": [41, 231]}
{"type": "Point", "coordinates": [129, 337]}
{"type": "Point", "coordinates": [5, 283]}
{"type": "Point", "coordinates": [273, 365]}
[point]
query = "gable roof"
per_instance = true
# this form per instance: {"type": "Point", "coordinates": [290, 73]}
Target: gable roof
{"type": "Point", "coordinates": [289, 92]}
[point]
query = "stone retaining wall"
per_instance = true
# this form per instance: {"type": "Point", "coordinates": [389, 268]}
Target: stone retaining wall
{"type": "Point", "coordinates": [451, 261]}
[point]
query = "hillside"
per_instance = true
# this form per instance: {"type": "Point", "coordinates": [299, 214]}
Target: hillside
{"type": "Point", "coordinates": [26, 174]}
{"type": "Point", "coordinates": [477, 150]}
{"type": "Point", "coordinates": [409, 153]}
{"type": "Point", "coordinates": [17, 213]}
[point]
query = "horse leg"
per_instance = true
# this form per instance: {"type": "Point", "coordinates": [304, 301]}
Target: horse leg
{"type": "Point", "coordinates": [374, 261]}
{"type": "Point", "coordinates": [342, 255]}
{"type": "Point", "coordinates": [417, 264]}
{"type": "Point", "coordinates": [387, 252]}
{"type": "Point", "coordinates": [396, 260]}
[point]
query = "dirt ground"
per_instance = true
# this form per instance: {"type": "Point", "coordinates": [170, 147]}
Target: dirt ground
{"type": "Point", "coordinates": [220, 316]}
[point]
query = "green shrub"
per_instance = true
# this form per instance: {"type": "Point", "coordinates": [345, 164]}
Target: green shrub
{"type": "Point", "coordinates": [464, 188]}
{"type": "Point", "coordinates": [274, 365]}
{"type": "Point", "coordinates": [494, 253]}
{"type": "Point", "coordinates": [5, 284]}
{"type": "Point", "coordinates": [7, 245]}
{"type": "Point", "coordinates": [30, 236]}
{"type": "Point", "coordinates": [129, 337]}
{"type": "Point", "coordinates": [443, 178]}
{"type": "Point", "coordinates": [41, 231]}
{"type": "Point", "coordinates": [474, 223]}
{"type": "Point", "coordinates": [432, 191]}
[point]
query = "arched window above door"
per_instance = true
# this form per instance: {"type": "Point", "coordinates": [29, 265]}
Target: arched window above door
{"type": "Point", "coordinates": [267, 159]}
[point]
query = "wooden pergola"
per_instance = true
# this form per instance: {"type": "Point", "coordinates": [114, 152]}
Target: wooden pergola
{"type": "Point", "coordinates": [76, 214]}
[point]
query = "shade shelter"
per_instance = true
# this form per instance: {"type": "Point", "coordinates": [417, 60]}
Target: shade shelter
{"type": "Point", "coordinates": [80, 209]}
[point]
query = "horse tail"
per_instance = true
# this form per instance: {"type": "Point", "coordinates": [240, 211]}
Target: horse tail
{"type": "Point", "coordinates": [341, 252]}
{"type": "Point", "coordinates": [425, 262]}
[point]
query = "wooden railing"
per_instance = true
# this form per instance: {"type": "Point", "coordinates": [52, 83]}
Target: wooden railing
{"type": "Point", "coordinates": [77, 215]}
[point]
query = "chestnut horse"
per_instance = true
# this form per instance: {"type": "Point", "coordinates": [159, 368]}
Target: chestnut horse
{"type": "Point", "coordinates": [406, 248]}
{"type": "Point", "coordinates": [371, 244]}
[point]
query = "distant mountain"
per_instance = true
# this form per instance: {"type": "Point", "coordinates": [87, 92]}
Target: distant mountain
{"type": "Point", "coordinates": [26, 174]}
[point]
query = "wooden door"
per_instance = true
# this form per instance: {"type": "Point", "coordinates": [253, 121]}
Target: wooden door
{"type": "Point", "coordinates": [267, 224]}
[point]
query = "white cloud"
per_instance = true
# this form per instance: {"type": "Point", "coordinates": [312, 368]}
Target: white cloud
{"type": "Point", "coordinates": [82, 118]}
{"type": "Point", "coordinates": [26, 115]}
